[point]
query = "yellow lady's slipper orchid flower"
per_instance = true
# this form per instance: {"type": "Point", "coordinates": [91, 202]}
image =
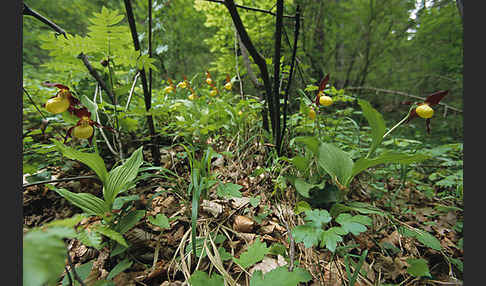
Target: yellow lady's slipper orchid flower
{"type": "Point", "coordinates": [325, 100]}
{"type": "Point", "coordinates": [182, 84]}
{"type": "Point", "coordinates": [58, 104]}
{"type": "Point", "coordinates": [424, 111]}
{"type": "Point", "coordinates": [84, 130]}
{"type": "Point", "coordinates": [228, 86]}
{"type": "Point", "coordinates": [169, 89]}
{"type": "Point", "coordinates": [312, 114]}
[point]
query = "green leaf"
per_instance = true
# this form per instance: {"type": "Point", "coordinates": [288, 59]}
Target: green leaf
{"type": "Point", "coordinates": [119, 268]}
{"type": "Point", "coordinates": [312, 143]}
{"type": "Point", "coordinates": [280, 276]}
{"type": "Point", "coordinates": [89, 203]}
{"type": "Point", "coordinates": [255, 253]}
{"type": "Point", "coordinates": [360, 207]}
{"type": "Point", "coordinates": [354, 224]}
{"type": "Point", "coordinates": [277, 249]}
{"type": "Point", "coordinates": [335, 162]}
{"type": "Point", "coordinates": [200, 251]}
{"type": "Point", "coordinates": [82, 271]}
{"type": "Point", "coordinates": [92, 160]}
{"type": "Point", "coordinates": [111, 234]}
{"type": "Point", "coordinates": [223, 254]}
{"type": "Point", "coordinates": [160, 220]}
{"type": "Point", "coordinates": [307, 234]}
{"type": "Point", "coordinates": [301, 207]}
{"type": "Point", "coordinates": [120, 201]}
{"type": "Point", "coordinates": [317, 217]}
{"type": "Point", "coordinates": [67, 222]}
{"type": "Point", "coordinates": [303, 188]}
{"type": "Point", "coordinates": [90, 238]}
{"type": "Point", "coordinates": [255, 201]}
{"type": "Point", "coordinates": [44, 254]}
{"type": "Point", "coordinates": [90, 105]}
{"type": "Point", "coordinates": [424, 237]}
{"type": "Point", "coordinates": [301, 163]}
{"type": "Point", "coordinates": [458, 263]}
{"type": "Point", "coordinates": [129, 220]}
{"type": "Point", "coordinates": [229, 190]}
{"type": "Point", "coordinates": [121, 176]}
{"type": "Point", "coordinates": [376, 122]}
{"type": "Point", "coordinates": [103, 283]}
{"type": "Point", "coordinates": [388, 157]}
{"type": "Point", "coordinates": [331, 237]}
{"type": "Point", "coordinates": [418, 267]}
{"type": "Point", "coordinates": [200, 278]}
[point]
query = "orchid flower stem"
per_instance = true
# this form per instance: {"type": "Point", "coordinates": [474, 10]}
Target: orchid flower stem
{"type": "Point", "coordinates": [398, 124]}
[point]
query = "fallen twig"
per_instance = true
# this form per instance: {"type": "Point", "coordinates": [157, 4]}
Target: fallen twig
{"type": "Point", "coordinates": [58, 180]}
{"type": "Point", "coordinates": [398, 93]}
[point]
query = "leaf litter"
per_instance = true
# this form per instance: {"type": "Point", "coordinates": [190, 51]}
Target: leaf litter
{"type": "Point", "coordinates": [239, 222]}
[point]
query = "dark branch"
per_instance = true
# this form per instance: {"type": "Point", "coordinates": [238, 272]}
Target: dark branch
{"type": "Point", "coordinates": [96, 76]}
{"type": "Point", "coordinates": [30, 12]}
{"type": "Point", "coordinates": [292, 64]}
{"type": "Point", "coordinates": [276, 74]}
{"type": "Point", "coordinates": [251, 9]}
{"type": "Point", "coordinates": [146, 92]}
{"type": "Point", "coordinates": [257, 58]}
{"type": "Point", "coordinates": [460, 7]}
{"type": "Point", "coordinates": [75, 274]}
{"type": "Point", "coordinates": [150, 43]}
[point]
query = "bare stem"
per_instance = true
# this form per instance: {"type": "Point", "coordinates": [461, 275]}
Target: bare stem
{"type": "Point", "coordinates": [58, 180]}
{"type": "Point", "coordinates": [131, 91]}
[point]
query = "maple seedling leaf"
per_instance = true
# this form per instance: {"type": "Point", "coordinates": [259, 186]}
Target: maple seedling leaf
{"type": "Point", "coordinates": [354, 224]}
{"type": "Point", "coordinates": [229, 190]}
{"type": "Point", "coordinates": [159, 220]}
{"type": "Point", "coordinates": [200, 278]}
{"type": "Point", "coordinates": [331, 237]}
{"type": "Point", "coordinates": [317, 218]}
{"type": "Point", "coordinates": [418, 267]}
{"type": "Point", "coordinates": [307, 234]}
{"type": "Point", "coordinates": [255, 253]}
{"type": "Point", "coordinates": [280, 276]}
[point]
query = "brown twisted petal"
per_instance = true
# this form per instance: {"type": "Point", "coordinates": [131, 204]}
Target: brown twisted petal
{"type": "Point", "coordinates": [436, 97]}
{"type": "Point", "coordinates": [323, 83]}
{"type": "Point", "coordinates": [431, 100]}
{"type": "Point", "coordinates": [58, 85]}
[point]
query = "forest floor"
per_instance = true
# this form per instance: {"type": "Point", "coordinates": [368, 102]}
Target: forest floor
{"type": "Point", "coordinates": [261, 213]}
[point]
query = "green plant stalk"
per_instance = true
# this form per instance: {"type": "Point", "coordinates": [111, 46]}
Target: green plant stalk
{"type": "Point", "coordinates": [399, 123]}
{"type": "Point", "coordinates": [352, 279]}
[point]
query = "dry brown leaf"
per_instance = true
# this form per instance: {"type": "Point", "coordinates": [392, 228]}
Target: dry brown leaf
{"type": "Point", "coordinates": [211, 207]}
{"type": "Point", "coordinates": [393, 239]}
{"type": "Point", "coordinates": [123, 279]}
{"type": "Point", "coordinates": [248, 237]}
{"type": "Point", "coordinates": [270, 238]}
{"type": "Point", "coordinates": [399, 267]}
{"type": "Point", "coordinates": [97, 270]}
{"type": "Point", "coordinates": [332, 275]}
{"type": "Point", "coordinates": [239, 202]}
{"type": "Point", "coordinates": [174, 238]}
{"type": "Point", "coordinates": [243, 224]}
{"type": "Point", "coordinates": [268, 264]}
{"type": "Point", "coordinates": [278, 227]}
{"type": "Point", "coordinates": [160, 267]}
{"type": "Point", "coordinates": [267, 229]}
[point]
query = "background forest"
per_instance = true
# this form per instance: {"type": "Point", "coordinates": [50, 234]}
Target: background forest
{"type": "Point", "coordinates": [197, 184]}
